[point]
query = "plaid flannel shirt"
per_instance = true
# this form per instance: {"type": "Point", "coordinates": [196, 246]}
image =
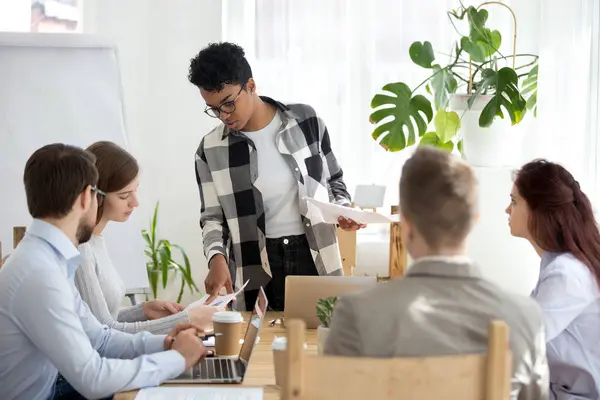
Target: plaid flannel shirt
{"type": "Point", "coordinates": [232, 214]}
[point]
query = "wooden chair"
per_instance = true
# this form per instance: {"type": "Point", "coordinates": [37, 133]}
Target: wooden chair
{"type": "Point", "coordinates": [397, 258]}
{"type": "Point", "coordinates": [18, 235]}
{"type": "Point", "coordinates": [465, 377]}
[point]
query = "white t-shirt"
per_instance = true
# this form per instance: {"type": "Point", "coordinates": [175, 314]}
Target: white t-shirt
{"type": "Point", "coordinates": [277, 184]}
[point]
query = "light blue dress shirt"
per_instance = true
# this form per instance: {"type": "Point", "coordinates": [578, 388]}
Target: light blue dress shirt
{"type": "Point", "coordinates": [46, 328]}
{"type": "Point", "coordinates": [569, 296]}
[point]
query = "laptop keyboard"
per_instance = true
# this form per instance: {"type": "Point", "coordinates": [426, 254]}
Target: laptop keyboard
{"type": "Point", "coordinates": [209, 369]}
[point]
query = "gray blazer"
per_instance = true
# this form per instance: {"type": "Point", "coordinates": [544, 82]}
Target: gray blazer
{"type": "Point", "coordinates": [442, 307]}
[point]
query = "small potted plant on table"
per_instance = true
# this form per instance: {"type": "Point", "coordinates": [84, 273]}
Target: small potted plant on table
{"type": "Point", "coordinates": [324, 312]}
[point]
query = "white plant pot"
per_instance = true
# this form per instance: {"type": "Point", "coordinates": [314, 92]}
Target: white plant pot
{"type": "Point", "coordinates": [322, 333]}
{"type": "Point", "coordinates": [497, 146]}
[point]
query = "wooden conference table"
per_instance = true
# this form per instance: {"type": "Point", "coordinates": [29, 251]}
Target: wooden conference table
{"type": "Point", "coordinates": [261, 372]}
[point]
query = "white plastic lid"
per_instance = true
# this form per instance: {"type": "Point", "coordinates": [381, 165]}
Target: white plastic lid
{"type": "Point", "coordinates": [228, 317]}
{"type": "Point", "coordinates": [280, 343]}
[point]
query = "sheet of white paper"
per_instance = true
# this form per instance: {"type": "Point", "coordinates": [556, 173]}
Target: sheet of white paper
{"type": "Point", "coordinates": [210, 342]}
{"type": "Point", "coordinates": [220, 301]}
{"type": "Point", "coordinates": [199, 393]}
{"type": "Point", "coordinates": [326, 212]}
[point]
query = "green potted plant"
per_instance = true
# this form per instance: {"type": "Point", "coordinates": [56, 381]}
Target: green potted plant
{"type": "Point", "coordinates": [161, 266]}
{"type": "Point", "coordinates": [324, 312]}
{"type": "Point", "coordinates": [462, 98]}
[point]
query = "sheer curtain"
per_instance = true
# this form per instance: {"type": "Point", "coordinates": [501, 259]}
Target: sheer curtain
{"type": "Point", "coordinates": [568, 89]}
{"type": "Point", "coordinates": [336, 54]}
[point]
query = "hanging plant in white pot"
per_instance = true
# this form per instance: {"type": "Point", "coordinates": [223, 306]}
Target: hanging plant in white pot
{"type": "Point", "coordinates": [474, 96]}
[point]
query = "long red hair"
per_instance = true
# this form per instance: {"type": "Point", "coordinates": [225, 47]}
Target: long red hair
{"type": "Point", "coordinates": [561, 218]}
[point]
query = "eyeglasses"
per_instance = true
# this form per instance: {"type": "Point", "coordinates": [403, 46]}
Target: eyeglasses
{"type": "Point", "coordinates": [100, 195]}
{"type": "Point", "coordinates": [228, 107]}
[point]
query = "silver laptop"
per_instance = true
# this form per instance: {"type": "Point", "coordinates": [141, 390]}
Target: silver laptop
{"type": "Point", "coordinates": [227, 369]}
{"type": "Point", "coordinates": [303, 292]}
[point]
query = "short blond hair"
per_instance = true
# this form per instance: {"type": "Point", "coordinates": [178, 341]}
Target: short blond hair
{"type": "Point", "coordinates": [438, 194]}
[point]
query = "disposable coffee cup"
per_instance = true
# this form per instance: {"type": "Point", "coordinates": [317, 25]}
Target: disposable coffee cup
{"type": "Point", "coordinates": [280, 354]}
{"type": "Point", "coordinates": [228, 330]}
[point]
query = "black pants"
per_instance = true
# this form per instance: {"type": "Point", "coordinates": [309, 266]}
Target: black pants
{"type": "Point", "coordinates": [64, 391]}
{"type": "Point", "coordinates": [289, 255]}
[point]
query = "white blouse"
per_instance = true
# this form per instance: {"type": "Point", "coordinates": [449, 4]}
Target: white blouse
{"type": "Point", "coordinates": [103, 290]}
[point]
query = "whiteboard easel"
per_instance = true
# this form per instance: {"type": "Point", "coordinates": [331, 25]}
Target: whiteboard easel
{"type": "Point", "coordinates": [61, 88]}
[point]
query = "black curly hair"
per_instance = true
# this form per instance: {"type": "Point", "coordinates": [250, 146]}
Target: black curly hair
{"type": "Point", "coordinates": [219, 64]}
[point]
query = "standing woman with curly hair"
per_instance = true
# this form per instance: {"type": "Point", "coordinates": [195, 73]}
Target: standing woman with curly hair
{"type": "Point", "coordinates": [549, 209]}
{"type": "Point", "coordinates": [254, 171]}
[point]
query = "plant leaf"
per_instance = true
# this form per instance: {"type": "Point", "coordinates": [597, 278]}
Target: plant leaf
{"type": "Point", "coordinates": [153, 278]}
{"type": "Point", "coordinates": [459, 146]}
{"type": "Point", "coordinates": [475, 49]}
{"type": "Point", "coordinates": [530, 89]}
{"type": "Point", "coordinates": [164, 262]}
{"type": "Point", "coordinates": [477, 20]}
{"type": "Point", "coordinates": [447, 124]}
{"type": "Point", "coordinates": [160, 260]}
{"type": "Point", "coordinates": [444, 85]}
{"type": "Point", "coordinates": [146, 237]}
{"type": "Point", "coordinates": [421, 53]}
{"type": "Point", "coordinates": [406, 113]}
{"type": "Point", "coordinates": [432, 139]}
{"type": "Point", "coordinates": [153, 225]}
{"type": "Point", "coordinates": [325, 309]}
{"type": "Point", "coordinates": [488, 79]}
{"type": "Point", "coordinates": [482, 42]}
{"type": "Point", "coordinates": [186, 260]}
{"type": "Point", "coordinates": [506, 97]}
{"type": "Point", "coordinates": [478, 33]}
{"type": "Point", "coordinates": [180, 295]}
{"type": "Point", "coordinates": [492, 42]}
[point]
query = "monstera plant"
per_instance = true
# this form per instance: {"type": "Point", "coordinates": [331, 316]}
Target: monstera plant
{"type": "Point", "coordinates": [475, 68]}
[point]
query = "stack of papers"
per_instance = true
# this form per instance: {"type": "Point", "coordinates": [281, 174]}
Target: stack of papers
{"type": "Point", "coordinates": [199, 393]}
{"type": "Point", "coordinates": [220, 301]}
{"type": "Point", "coordinates": [321, 211]}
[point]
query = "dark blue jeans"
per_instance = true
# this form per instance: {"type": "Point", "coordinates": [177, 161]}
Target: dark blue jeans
{"type": "Point", "coordinates": [64, 391]}
{"type": "Point", "coordinates": [289, 255]}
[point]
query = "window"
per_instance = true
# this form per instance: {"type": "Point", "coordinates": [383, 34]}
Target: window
{"type": "Point", "coordinates": [335, 55]}
{"type": "Point", "coordinates": [41, 15]}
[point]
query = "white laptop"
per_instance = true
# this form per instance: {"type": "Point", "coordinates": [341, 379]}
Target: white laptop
{"type": "Point", "coordinates": [228, 369]}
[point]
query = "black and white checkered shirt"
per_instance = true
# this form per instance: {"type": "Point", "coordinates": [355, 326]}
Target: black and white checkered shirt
{"type": "Point", "coordinates": [232, 214]}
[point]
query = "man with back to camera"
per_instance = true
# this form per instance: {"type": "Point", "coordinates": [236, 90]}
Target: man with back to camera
{"type": "Point", "coordinates": [443, 305]}
{"type": "Point", "coordinates": [253, 171]}
{"type": "Point", "coordinates": [51, 346]}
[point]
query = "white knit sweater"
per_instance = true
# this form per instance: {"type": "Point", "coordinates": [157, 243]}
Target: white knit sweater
{"type": "Point", "coordinates": [103, 290]}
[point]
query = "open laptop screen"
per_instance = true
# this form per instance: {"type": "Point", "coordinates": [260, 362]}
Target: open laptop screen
{"type": "Point", "coordinates": [256, 320]}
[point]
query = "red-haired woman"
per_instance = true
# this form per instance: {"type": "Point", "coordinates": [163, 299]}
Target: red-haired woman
{"type": "Point", "coordinates": [549, 209]}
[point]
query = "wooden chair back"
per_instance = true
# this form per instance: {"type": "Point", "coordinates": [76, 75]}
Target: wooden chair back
{"type": "Point", "coordinates": [18, 235]}
{"type": "Point", "coordinates": [466, 377]}
{"type": "Point", "coordinates": [398, 257]}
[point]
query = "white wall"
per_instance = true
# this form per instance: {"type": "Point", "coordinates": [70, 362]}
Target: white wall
{"type": "Point", "coordinates": [507, 261]}
{"type": "Point", "coordinates": [165, 124]}
{"type": "Point", "coordinates": [164, 112]}
{"type": "Point", "coordinates": [15, 16]}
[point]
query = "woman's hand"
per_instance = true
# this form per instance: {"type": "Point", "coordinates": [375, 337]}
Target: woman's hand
{"type": "Point", "coordinates": [349, 225]}
{"type": "Point", "coordinates": [156, 309]}
{"type": "Point", "coordinates": [202, 316]}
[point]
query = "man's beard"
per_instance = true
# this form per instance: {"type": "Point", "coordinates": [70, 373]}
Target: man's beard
{"type": "Point", "coordinates": [84, 232]}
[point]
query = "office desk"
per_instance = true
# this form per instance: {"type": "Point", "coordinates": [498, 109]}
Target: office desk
{"type": "Point", "coordinates": [260, 371]}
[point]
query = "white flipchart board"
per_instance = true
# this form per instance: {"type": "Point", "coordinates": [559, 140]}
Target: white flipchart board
{"type": "Point", "coordinates": [61, 88]}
